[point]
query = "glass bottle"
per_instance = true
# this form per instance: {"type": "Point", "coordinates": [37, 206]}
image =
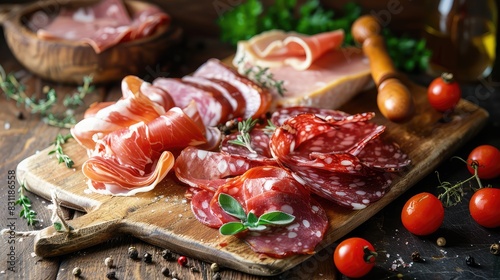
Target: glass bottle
{"type": "Point", "coordinates": [462, 37]}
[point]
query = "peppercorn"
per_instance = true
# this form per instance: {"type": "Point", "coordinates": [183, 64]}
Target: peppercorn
{"type": "Point", "coordinates": [148, 258]}
{"type": "Point", "coordinates": [77, 271]}
{"type": "Point", "coordinates": [167, 254]}
{"type": "Point", "coordinates": [495, 249]}
{"type": "Point", "coordinates": [415, 257]}
{"type": "Point", "coordinates": [133, 253]}
{"type": "Point", "coordinates": [165, 271]}
{"type": "Point", "coordinates": [441, 241]}
{"type": "Point", "coordinates": [111, 275]}
{"type": "Point", "coordinates": [194, 269]}
{"type": "Point", "coordinates": [108, 262]}
{"type": "Point", "coordinates": [174, 274]}
{"type": "Point", "coordinates": [214, 267]}
{"type": "Point", "coordinates": [470, 261]}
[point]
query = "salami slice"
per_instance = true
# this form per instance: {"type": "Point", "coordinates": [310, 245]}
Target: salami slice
{"type": "Point", "coordinates": [282, 114]}
{"type": "Point", "coordinates": [259, 139]}
{"type": "Point", "coordinates": [200, 206]}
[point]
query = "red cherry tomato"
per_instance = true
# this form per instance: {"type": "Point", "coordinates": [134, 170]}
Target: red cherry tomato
{"type": "Point", "coordinates": [484, 207]}
{"type": "Point", "coordinates": [422, 214]}
{"type": "Point", "coordinates": [444, 93]}
{"type": "Point", "coordinates": [487, 159]}
{"type": "Point", "coordinates": [354, 257]}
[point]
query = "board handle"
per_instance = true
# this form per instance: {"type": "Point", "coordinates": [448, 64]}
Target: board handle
{"type": "Point", "coordinates": [49, 242]}
{"type": "Point", "coordinates": [394, 99]}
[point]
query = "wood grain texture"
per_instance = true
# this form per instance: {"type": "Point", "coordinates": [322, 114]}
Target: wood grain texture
{"type": "Point", "coordinates": [69, 61]}
{"type": "Point", "coordinates": [163, 217]}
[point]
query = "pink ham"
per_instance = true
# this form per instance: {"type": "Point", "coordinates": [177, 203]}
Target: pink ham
{"type": "Point", "coordinates": [212, 106]}
{"type": "Point", "coordinates": [133, 84]}
{"type": "Point", "coordinates": [102, 25]}
{"type": "Point", "coordinates": [257, 99]}
{"type": "Point", "coordinates": [277, 48]}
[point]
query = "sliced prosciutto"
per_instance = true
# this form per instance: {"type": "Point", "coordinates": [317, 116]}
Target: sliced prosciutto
{"type": "Point", "coordinates": [341, 158]}
{"type": "Point", "coordinates": [133, 84]}
{"type": "Point", "coordinates": [277, 48]}
{"type": "Point", "coordinates": [212, 105]}
{"type": "Point", "coordinates": [101, 25]}
{"type": "Point", "coordinates": [257, 99]}
{"type": "Point", "coordinates": [134, 159]}
{"type": "Point", "coordinates": [261, 190]}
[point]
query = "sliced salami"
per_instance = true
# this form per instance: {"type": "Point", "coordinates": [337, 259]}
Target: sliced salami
{"type": "Point", "coordinates": [282, 114]}
{"type": "Point", "coordinates": [200, 206]}
{"type": "Point", "coordinates": [259, 139]}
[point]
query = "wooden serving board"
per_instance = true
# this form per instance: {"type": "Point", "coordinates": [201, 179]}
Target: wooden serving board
{"type": "Point", "coordinates": [163, 217]}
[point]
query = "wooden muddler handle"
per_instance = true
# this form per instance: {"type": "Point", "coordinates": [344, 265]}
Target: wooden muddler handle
{"type": "Point", "coordinates": [394, 100]}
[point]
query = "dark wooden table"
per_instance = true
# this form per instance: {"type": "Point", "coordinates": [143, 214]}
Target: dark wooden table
{"type": "Point", "coordinates": [23, 134]}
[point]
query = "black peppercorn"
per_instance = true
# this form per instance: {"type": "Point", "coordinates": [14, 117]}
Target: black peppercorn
{"type": "Point", "coordinates": [111, 275]}
{"type": "Point", "coordinates": [165, 271]}
{"type": "Point", "coordinates": [167, 255]}
{"type": "Point", "coordinates": [415, 257]}
{"type": "Point", "coordinates": [148, 258]}
{"type": "Point", "coordinates": [133, 253]}
{"type": "Point", "coordinates": [470, 261]}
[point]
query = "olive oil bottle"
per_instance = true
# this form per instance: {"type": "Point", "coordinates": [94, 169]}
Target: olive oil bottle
{"type": "Point", "coordinates": [462, 37]}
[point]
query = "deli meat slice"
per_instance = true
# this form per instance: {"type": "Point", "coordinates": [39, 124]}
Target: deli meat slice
{"type": "Point", "coordinates": [257, 99]}
{"type": "Point", "coordinates": [341, 158]}
{"type": "Point", "coordinates": [136, 158]}
{"type": "Point", "coordinates": [264, 189]}
{"type": "Point", "coordinates": [101, 25]}
{"type": "Point", "coordinates": [132, 84]}
{"type": "Point", "coordinates": [213, 107]}
{"type": "Point", "coordinates": [277, 48]}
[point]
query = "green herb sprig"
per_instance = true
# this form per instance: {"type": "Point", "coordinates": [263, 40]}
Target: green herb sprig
{"type": "Point", "coordinates": [249, 221]}
{"type": "Point", "coordinates": [243, 138]}
{"type": "Point", "coordinates": [264, 78]}
{"type": "Point", "coordinates": [14, 90]}
{"type": "Point", "coordinates": [452, 193]}
{"type": "Point", "coordinates": [59, 152]}
{"type": "Point", "coordinates": [26, 212]}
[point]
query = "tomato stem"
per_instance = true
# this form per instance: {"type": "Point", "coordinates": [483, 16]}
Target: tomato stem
{"type": "Point", "coordinates": [447, 77]}
{"type": "Point", "coordinates": [369, 255]}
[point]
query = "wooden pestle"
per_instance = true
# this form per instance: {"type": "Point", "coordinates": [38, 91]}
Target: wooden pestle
{"type": "Point", "coordinates": [394, 100]}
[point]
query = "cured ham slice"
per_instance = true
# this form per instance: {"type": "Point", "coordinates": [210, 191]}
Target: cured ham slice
{"type": "Point", "coordinates": [257, 99]}
{"type": "Point", "coordinates": [134, 159]}
{"type": "Point", "coordinates": [212, 106]}
{"type": "Point", "coordinates": [277, 48]}
{"type": "Point", "coordinates": [341, 158]}
{"type": "Point", "coordinates": [102, 25]}
{"type": "Point", "coordinates": [261, 190]}
{"type": "Point", "coordinates": [133, 84]}
{"type": "Point", "coordinates": [314, 70]}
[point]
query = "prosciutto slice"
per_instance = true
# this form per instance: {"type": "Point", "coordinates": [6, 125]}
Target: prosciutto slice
{"type": "Point", "coordinates": [134, 159]}
{"type": "Point", "coordinates": [102, 25]}
{"type": "Point", "coordinates": [277, 48]}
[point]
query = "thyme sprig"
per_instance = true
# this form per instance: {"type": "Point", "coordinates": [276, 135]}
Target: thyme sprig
{"type": "Point", "coordinates": [249, 221]}
{"type": "Point", "coordinates": [14, 90]}
{"type": "Point", "coordinates": [264, 78]}
{"type": "Point", "coordinates": [26, 212]}
{"type": "Point", "coordinates": [59, 152]}
{"type": "Point", "coordinates": [453, 193]}
{"type": "Point", "coordinates": [243, 138]}
{"type": "Point", "coordinates": [270, 128]}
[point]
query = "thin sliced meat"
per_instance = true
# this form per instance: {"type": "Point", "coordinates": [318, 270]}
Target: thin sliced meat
{"type": "Point", "coordinates": [229, 92]}
{"type": "Point", "coordinates": [132, 84]}
{"type": "Point", "coordinates": [200, 206]}
{"type": "Point", "coordinates": [384, 156]}
{"type": "Point", "coordinates": [212, 107]}
{"type": "Point", "coordinates": [259, 140]}
{"type": "Point", "coordinates": [283, 114]}
{"type": "Point", "coordinates": [111, 117]}
{"type": "Point", "coordinates": [277, 48]}
{"type": "Point", "coordinates": [264, 189]}
{"type": "Point", "coordinates": [134, 159]}
{"type": "Point", "coordinates": [257, 99]}
{"type": "Point", "coordinates": [208, 170]}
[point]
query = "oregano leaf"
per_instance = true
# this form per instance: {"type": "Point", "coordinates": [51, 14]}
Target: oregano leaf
{"type": "Point", "coordinates": [231, 206]}
{"type": "Point", "coordinates": [232, 228]}
{"type": "Point", "coordinates": [276, 218]}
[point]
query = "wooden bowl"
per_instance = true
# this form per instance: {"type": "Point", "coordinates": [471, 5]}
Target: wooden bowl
{"type": "Point", "coordinates": [69, 61]}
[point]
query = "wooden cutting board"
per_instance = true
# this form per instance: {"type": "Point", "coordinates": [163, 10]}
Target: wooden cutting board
{"type": "Point", "coordinates": [163, 217]}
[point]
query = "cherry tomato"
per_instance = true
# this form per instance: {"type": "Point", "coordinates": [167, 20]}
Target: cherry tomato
{"type": "Point", "coordinates": [444, 93]}
{"type": "Point", "coordinates": [483, 207]}
{"type": "Point", "coordinates": [487, 159]}
{"type": "Point", "coordinates": [354, 257]}
{"type": "Point", "coordinates": [422, 214]}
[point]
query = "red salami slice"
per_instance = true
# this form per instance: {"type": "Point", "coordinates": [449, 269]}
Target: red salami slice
{"type": "Point", "coordinates": [259, 140]}
{"type": "Point", "coordinates": [208, 170]}
{"type": "Point", "coordinates": [200, 206]}
{"type": "Point", "coordinates": [282, 114]}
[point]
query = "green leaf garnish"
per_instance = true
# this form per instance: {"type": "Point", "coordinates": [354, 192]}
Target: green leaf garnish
{"type": "Point", "coordinates": [243, 138]}
{"type": "Point", "coordinates": [58, 150]}
{"type": "Point", "coordinates": [250, 221]}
